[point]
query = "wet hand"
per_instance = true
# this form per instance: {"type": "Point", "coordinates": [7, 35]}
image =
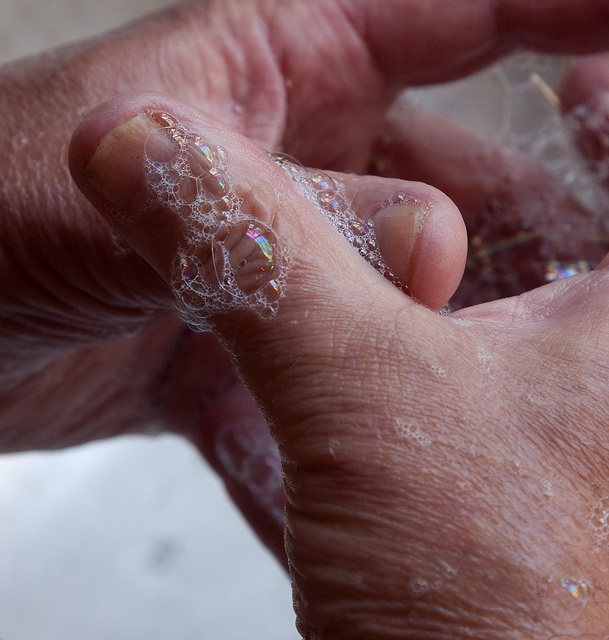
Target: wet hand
{"type": "Point", "coordinates": [445, 474]}
{"type": "Point", "coordinates": [90, 340]}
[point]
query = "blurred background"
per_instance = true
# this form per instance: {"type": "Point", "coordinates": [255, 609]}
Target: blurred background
{"type": "Point", "coordinates": [130, 539]}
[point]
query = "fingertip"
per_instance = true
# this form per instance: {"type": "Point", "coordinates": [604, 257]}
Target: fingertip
{"type": "Point", "coordinates": [105, 117]}
{"type": "Point", "coordinates": [424, 242]}
{"type": "Point", "coordinates": [90, 132]}
{"type": "Point", "coordinates": [439, 255]}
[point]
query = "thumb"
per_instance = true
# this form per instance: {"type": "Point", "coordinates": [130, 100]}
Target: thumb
{"type": "Point", "coordinates": [239, 239]}
{"type": "Point", "coordinates": [138, 179]}
{"type": "Point", "coordinates": [243, 247]}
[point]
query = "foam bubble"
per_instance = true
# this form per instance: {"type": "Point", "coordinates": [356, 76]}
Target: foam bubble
{"type": "Point", "coordinates": [227, 260]}
{"type": "Point", "coordinates": [565, 598]}
{"type": "Point", "coordinates": [418, 586]}
{"type": "Point", "coordinates": [329, 198]}
{"type": "Point", "coordinates": [599, 522]}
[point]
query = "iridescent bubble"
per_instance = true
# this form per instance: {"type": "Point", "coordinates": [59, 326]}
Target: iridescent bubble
{"type": "Point", "coordinates": [332, 202]}
{"type": "Point", "coordinates": [328, 197]}
{"type": "Point", "coordinates": [227, 260]}
{"type": "Point", "coordinates": [577, 589]}
{"type": "Point", "coordinates": [188, 268]}
{"type": "Point", "coordinates": [202, 157]}
{"type": "Point", "coordinates": [565, 598]}
{"type": "Point", "coordinates": [165, 120]}
{"type": "Point", "coordinates": [557, 270]}
{"type": "Point", "coordinates": [286, 161]}
{"type": "Point", "coordinates": [273, 290]}
{"type": "Point", "coordinates": [357, 227]}
{"type": "Point", "coordinates": [221, 157]}
{"type": "Point", "coordinates": [225, 203]}
{"type": "Point", "coordinates": [320, 180]}
{"type": "Point", "coordinates": [215, 183]}
{"type": "Point", "coordinates": [248, 251]}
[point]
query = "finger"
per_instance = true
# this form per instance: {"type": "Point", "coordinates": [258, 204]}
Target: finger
{"type": "Point", "coordinates": [334, 361]}
{"type": "Point", "coordinates": [341, 78]}
{"type": "Point", "coordinates": [419, 229]}
{"type": "Point", "coordinates": [585, 79]}
{"type": "Point", "coordinates": [329, 117]}
{"type": "Point", "coordinates": [524, 224]}
{"type": "Point", "coordinates": [253, 249]}
{"type": "Point", "coordinates": [414, 41]}
{"type": "Point", "coordinates": [250, 256]}
{"type": "Point", "coordinates": [292, 301]}
{"type": "Point", "coordinates": [427, 265]}
{"type": "Point", "coordinates": [229, 435]}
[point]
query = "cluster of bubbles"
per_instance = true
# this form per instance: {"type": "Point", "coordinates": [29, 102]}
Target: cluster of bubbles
{"type": "Point", "coordinates": [600, 523]}
{"type": "Point", "coordinates": [328, 196]}
{"type": "Point", "coordinates": [227, 259]}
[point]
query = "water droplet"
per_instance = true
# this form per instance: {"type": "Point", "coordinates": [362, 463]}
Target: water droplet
{"type": "Point", "coordinates": [565, 598]}
{"type": "Point", "coordinates": [418, 586]}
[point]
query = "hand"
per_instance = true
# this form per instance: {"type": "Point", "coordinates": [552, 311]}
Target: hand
{"type": "Point", "coordinates": [81, 346]}
{"type": "Point", "coordinates": [446, 474]}
{"type": "Point", "coordinates": [90, 345]}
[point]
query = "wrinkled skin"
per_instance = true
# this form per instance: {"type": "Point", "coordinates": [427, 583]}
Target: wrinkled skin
{"type": "Point", "coordinates": [441, 482]}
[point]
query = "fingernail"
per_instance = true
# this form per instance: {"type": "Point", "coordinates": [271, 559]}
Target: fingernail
{"type": "Point", "coordinates": [116, 170]}
{"type": "Point", "coordinates": [397, 227]}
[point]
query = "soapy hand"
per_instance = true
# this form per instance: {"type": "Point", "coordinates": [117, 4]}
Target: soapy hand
{"type": "Point", "coordinates": [439, 480]}
{"type": "Point", "coordinates": [398, 428]}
